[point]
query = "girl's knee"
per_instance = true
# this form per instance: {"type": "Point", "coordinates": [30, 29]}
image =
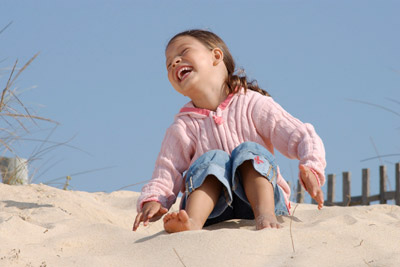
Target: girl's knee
{"type": "Point", "coordinates": [250, 156]}
{"type": "Point", "coordinates": [213, 165]}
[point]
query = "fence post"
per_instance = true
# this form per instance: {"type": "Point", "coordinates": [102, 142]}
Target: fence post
{"type": "Point", "coordinates": [382, 179]}
{"type": "Point", "coordinates": [397, 175]}
{"type": "Point", "coordinates": [331, 189]}
{"type": "Point", "coordinates": [346, 188]}
{"type": "Point", "coordinates": [14, 171]}
{"type": "Point", "coordinates": [365, 187]}
{"type": "Point", "coordinates": [300, 193]}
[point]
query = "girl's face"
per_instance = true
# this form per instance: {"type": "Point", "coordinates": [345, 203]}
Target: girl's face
{"type": "Point", "coordinates": [190, 66]}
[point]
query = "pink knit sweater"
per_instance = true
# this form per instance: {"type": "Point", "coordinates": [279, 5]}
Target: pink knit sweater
{"type": "Point", "coordinates": [241, 117]}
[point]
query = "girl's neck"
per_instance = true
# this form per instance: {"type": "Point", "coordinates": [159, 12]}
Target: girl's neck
{"type": "Point", "coordinates": [210, 100]}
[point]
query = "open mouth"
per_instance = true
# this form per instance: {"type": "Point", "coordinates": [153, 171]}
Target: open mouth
{"type": "Point", "coordinates": [183, 72]}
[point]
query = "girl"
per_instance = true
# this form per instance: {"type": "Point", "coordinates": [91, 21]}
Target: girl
{"type": "Point", "coordinates": [218, 151]}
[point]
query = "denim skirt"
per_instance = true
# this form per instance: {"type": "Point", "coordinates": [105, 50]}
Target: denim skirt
{"type": "Point", "coordinates": [232, 202]}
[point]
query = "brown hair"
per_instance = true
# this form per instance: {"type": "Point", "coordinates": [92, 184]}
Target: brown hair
{"type": "Point", "coordinates": [236, 78]}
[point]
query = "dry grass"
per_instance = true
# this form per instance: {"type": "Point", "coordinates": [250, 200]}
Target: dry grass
{"type": "Point", "coordinates": [16, 121]}
{"type": "Point", "coordinates": [16, 118]}
{"type": "Point", "coordinates": [388, 110]}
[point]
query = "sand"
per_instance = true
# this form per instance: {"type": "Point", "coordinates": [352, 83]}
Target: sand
{"type": "Point", "coordinates": [46, 226]}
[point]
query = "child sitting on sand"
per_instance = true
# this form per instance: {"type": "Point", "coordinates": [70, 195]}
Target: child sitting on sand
{"type": "Point", "coordinates": [219, 149]}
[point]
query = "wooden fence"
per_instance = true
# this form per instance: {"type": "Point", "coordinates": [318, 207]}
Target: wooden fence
{"type": "Point", "coordinates": [365, 198]}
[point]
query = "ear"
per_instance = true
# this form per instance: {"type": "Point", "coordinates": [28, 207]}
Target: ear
{"type": "Point", "coordinates": [218, 56]}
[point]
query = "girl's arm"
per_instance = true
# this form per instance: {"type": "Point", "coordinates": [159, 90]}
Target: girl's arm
{"type": "Point", "coordinates": [290, 136]}
{"type": "Point", "coordinates": [295, 140]}
{"type": "Point", "coordinates": [173, 159]}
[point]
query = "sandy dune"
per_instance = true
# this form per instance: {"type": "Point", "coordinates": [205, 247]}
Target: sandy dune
{"type": "Point", "coordinates": [45, 226]}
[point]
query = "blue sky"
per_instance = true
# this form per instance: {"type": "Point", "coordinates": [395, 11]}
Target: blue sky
{"type": "Point", "coordinates": [101, 74]}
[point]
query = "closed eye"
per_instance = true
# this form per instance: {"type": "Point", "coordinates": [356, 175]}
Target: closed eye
{"type": "Point", "coordinates": [184, 51]}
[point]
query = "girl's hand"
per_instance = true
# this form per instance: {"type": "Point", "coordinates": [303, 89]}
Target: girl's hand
{"type": "Point", "coordinates": [312, 185]}
{"type": "Point", "coordinates": [151, 211]}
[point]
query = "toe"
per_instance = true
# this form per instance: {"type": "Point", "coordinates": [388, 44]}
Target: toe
{"type": "Point", "coordinates": [183, 216]}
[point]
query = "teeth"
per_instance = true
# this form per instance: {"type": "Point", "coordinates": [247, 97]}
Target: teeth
{"type": "Point", "coordinates": [181, 71]}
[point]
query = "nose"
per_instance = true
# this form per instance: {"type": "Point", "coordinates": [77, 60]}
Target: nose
{"type": "Point", "coordinates": [176, 62]}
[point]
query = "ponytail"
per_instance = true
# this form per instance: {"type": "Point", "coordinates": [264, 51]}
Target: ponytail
{"type": "Point", "coordinates": [237, 81]}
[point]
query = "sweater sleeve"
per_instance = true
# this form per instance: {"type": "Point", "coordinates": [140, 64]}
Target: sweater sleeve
{"type": "Point", "coordinates": [290, 136]}
{"type": "Point", "coordinates": [174, 158]}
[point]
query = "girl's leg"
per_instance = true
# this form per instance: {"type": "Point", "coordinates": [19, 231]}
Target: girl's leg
{"type": "Point", "coordinates": [260, 193]}
{"type": "Point", "coordinates": [199, 206]}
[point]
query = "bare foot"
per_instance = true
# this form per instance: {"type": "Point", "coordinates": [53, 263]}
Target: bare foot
{"type": "Point", "coordinates": [178, 222]}
{"type": "Point", "coordinates": [267, 221]}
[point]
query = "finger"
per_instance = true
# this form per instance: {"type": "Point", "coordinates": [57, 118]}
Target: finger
{"type": "Point", "coordinates": [137, 221]}
{"type": "Point", "coordinates": [320, 199]}
{"type": "Point", "coordinates": [311, 188]}
{"type": "Point", "coordinates": [314, 190]}
{"type": "Point", "coordinates": [163, 210]}
{"type": "Point", "coordinates": [147, 218]}
{"type": "Point", "coordinates": [312, 185]}
{"type": "Point", "coordinates": [320, 205]}
{"type": "Point", "coordinates": [150, 213]}
{"type": "Point", "coordinates": [158, 214]}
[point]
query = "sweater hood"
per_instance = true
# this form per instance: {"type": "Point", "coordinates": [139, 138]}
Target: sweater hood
{"type": "Point", "coordinates": [190, 110]}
